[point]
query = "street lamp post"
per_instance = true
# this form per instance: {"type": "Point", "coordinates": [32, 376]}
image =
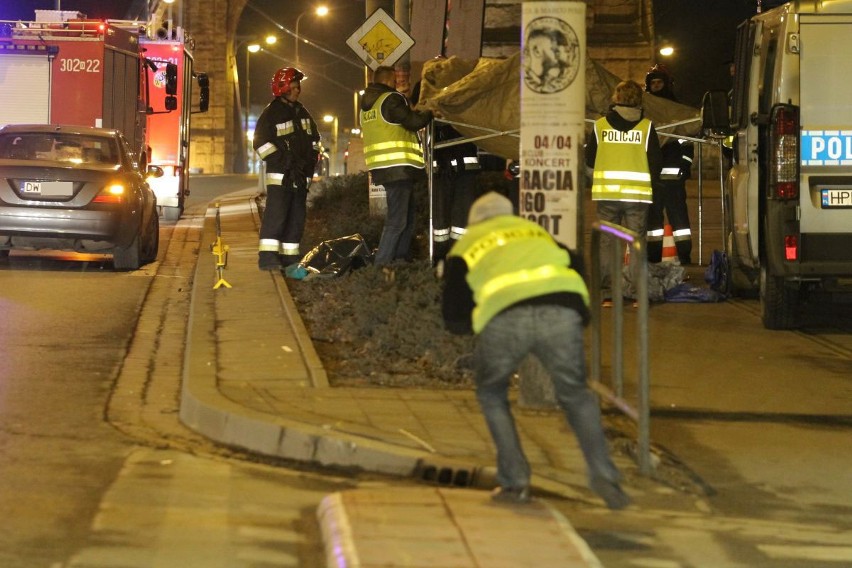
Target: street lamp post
{"type": "Point", "coordinates": [251, 47]}
{"type": "Point", "coordinates": [332, 166]}
{"type": "Point", "coordinates": [319, 11]}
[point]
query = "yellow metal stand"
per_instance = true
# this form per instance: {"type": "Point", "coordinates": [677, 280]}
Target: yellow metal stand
{"type": "Point", "coordinates": [220, 250]}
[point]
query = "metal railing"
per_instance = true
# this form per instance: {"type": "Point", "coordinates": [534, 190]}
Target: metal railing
{"type": "Point", "coordinates": [616, 234]}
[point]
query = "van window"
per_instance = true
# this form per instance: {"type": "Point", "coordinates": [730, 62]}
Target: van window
{"type": "Point", "coordinates": [770, 49]}
{"type": "Point", "coordinates": [742, 67]}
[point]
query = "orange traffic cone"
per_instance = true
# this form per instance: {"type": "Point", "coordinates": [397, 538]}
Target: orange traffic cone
{"type": "Point", "coordinates": [669, 248]}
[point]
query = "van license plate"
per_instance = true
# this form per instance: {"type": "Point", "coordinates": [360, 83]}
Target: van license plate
{"type": "Point", "coordinates": [832, 198]}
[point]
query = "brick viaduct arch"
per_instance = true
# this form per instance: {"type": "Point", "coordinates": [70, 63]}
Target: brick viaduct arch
{"type": "Point", "coordinates": [620, 35]}
{"type": "Point", "coordinates": [212, 24]}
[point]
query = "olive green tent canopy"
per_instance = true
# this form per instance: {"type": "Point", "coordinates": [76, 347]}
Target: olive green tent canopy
{"type": "Point", "coordinates": [482, 100]}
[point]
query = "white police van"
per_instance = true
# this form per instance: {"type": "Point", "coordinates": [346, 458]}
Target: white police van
{"type": "Point", "coordinates": [788, 194]}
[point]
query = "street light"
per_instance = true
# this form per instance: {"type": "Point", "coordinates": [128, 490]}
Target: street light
{"type": "Point", "coordinates": [319, 11]}
{"type": "Point", "coordinates": [332, 166]}
{"type": "Point", "coordinates": [251, 47]}
{"type": "Point", "coordinates": [356, 99]}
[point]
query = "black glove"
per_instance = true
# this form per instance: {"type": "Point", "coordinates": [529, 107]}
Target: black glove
{"type": "Point", "coordinates": [300, 181]}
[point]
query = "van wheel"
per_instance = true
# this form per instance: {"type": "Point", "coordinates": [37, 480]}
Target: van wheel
{"type": "Point", "coordinates": [127, 258]}
{"type": "Point", "coordinates": [779, 302]}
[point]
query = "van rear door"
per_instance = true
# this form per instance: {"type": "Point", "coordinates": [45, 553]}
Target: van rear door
{"type": "Point", "coordinates": [825, 42]}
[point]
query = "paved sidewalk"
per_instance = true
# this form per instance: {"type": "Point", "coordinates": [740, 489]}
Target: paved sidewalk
{"type": "Point", "coordinates": [253, 380]}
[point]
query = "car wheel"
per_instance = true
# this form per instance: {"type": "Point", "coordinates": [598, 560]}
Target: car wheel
{"type": "Point", "coordinates": [127, 258]}
{"type": "Point", "coordinates": [779, 302]}
{"type": "Point", "coordinates": [152, 243]}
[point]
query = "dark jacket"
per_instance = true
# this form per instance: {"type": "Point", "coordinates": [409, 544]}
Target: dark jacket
{"type": "Point", "coordinates": [296, 150]}
{"type": "Point", "coordinates": [676, 153]}
{"type": "Point", "coordinates": [655, 157]}
{"type": "Point", "coordinates": [450, 160]}
{"type": "Point", "coordinates": [396, 110]}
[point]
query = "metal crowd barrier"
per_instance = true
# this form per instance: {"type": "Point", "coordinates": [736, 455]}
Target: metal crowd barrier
{"type": "Point", "coordinates": [641, 414]}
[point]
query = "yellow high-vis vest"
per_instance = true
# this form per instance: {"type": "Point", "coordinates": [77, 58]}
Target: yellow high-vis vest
{"type": "Point", "coordinates": [621, 163]}
{"type": "Point", "coordinates": [387, 144]}
{"type": "Point", "coordinates": [529, 264]}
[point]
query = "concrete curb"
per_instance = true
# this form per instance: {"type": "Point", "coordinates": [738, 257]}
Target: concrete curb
{"type": "Point", "coordinates": [204, 409]}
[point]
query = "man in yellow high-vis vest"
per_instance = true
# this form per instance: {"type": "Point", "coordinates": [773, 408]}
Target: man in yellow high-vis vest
{"type": "Point", "coordinates": [624, 152]}
{"type": "Point", "coordinates": [394, 157]}
{"type": "Point", "coordinates": [513, 285]}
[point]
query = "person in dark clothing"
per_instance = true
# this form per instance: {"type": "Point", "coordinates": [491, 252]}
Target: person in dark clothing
{"type": "Point", "coordinates": [513, 285]}
{"type": "Point", "coordinates": [670, 197]}
{"type": "Point", "coordinates": [454, 184]}
{"type": "Point", "coordinates": [287, 139]}
{"type": "Point", "coordinates": [455, 174]}
{"type": "Point", "coordinates": [394, 157]}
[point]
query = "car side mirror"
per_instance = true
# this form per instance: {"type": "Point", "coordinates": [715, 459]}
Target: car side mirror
{"type": "Point", "coordinates": [154, 171]}
{"type": "Point", "coordinates": [715, 118]}
{"type": "Point", "coordinates": [204, 93]}
{"type": "Point", "coordinates": [171, 79]}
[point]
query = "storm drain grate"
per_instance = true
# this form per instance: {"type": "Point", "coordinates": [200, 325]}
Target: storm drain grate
{"type": "Point", "coordinates": [447, 476]}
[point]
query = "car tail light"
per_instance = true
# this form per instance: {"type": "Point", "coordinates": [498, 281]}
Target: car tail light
{"type": "Point", "coordinates": [113, 193]}
{"type": "Point", "coordinates": [784, 153]}
{"type": "Point", "coordinates": [791, 247]}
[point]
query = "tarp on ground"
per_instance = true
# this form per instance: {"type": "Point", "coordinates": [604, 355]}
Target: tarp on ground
{"type": "Point", "coordinates": [485, 95]}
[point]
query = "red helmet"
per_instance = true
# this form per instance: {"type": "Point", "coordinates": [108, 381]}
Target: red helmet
{"type": "Point", "coordinates": [282, 79]}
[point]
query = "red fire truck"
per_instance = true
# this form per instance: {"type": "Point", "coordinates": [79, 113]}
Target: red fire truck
{"type": "Point", "coordinates": [80, 72]}
{"type": "Point", "coordinates": [167, 134]}
{"type": "Point", "coordinates": [65, 69]}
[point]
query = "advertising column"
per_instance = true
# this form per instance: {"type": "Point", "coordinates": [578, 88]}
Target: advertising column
{"type": "Point", "coordinates": [553, 100]}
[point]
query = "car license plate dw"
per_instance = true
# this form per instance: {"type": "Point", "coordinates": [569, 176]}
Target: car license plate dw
{"type": "Point", "coordinates": [47, 188]}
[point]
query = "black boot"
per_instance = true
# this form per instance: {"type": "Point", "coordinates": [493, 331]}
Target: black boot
{"type": "Point", "coordinates": [267, 260]}
{"type": "Point", "coordinates": [288, 259]}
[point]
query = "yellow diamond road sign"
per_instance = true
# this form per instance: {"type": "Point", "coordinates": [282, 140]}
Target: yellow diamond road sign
{"type": "Point", "coordinates": [380, 40]}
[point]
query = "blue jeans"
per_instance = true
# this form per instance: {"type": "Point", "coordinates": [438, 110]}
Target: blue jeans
{"type": "Point", "coordinates": [554, 334]}
{"type": "Point", "coordinates": [630, 215]}
{"type": "Point", "coordinates": [399, 223]}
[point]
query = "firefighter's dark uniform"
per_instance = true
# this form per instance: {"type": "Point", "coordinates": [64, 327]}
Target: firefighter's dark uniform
{"type": "Point", "coordinates": [670, 195]}
{"type": "Point", "coordinates": [287, 139]}
{"type": "Point", "coordinates": [670, 201]}
{"type": "Point", "coordinates": [454, 184]}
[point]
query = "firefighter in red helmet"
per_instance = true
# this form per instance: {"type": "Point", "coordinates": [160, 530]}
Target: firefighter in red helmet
{"type": "Point", "coordinates": [288, 141]}
{"type": "Point", "coordinates": [669, 199]}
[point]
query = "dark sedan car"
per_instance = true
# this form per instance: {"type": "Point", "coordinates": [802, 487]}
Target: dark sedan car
{"type": "Point", "coordinates": [75, 188]}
